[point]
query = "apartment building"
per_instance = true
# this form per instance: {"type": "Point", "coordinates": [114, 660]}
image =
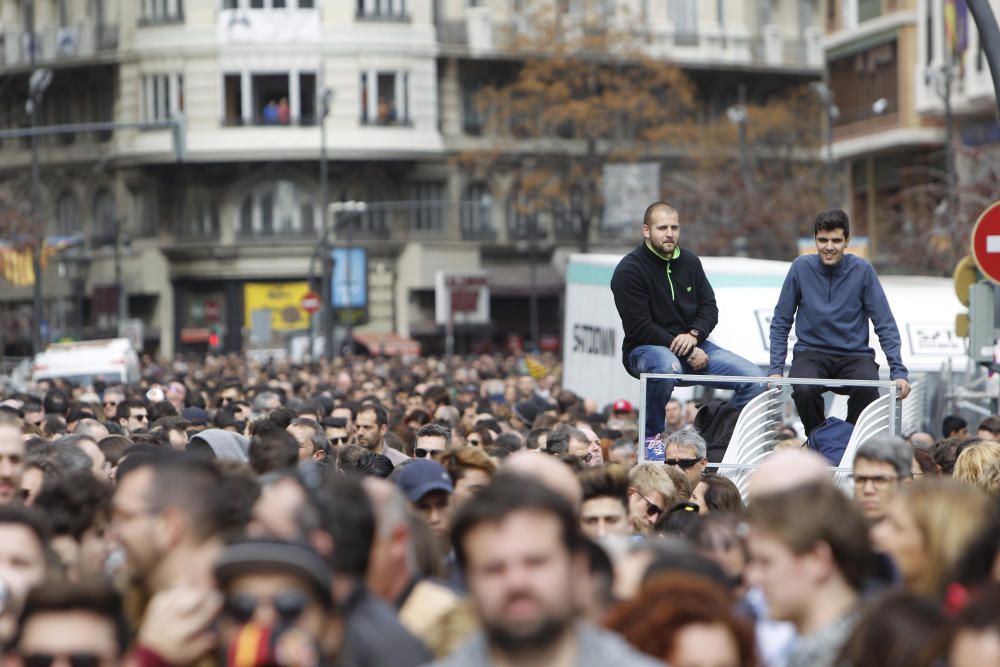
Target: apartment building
{"type": "Point", "coordinates": [877, 53]}
{"type": "Point", "coordinates": [234, 226]}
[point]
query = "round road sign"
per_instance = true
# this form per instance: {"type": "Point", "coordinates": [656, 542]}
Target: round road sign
{"type": "Point", "coordinates": [310, 302]}
{"type": "Point", "coordinates": [986, 242]}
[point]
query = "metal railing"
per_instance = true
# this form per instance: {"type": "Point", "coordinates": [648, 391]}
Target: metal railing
{"type": "Point", "coordinates": [754, 431]}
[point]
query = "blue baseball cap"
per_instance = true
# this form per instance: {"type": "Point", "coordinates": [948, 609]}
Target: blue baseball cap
{"type": "Point", "coordinates": [421, 476]}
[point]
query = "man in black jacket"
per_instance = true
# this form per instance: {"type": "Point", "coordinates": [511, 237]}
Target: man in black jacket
{"type": "Point", "coordinates": [668, 311]}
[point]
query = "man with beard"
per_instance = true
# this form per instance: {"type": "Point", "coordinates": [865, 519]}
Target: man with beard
{"type": "Point", "coordinates": [11, 463]}
{"type": "Point", "coordinates": [372, 423]}
{"type": "Point", "coordinates": [520, 547]}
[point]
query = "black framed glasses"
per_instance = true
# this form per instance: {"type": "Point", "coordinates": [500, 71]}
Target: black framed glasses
{"type": "Point", "coordinates": [683, 464]}
{"type": "Point", "coordinates": [879, 481]}
{"type": "Point", "coordinates": [288, 605]}
{"type": "Point", "coordinates": [74, 659]}
{"type": "Point", "coordinates": [339, 440]}
{"type": "Point", "coordinates": [652, 509]}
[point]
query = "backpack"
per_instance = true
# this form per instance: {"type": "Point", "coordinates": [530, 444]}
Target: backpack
{"type": "Point", "coordinates": [716, 421]}
{"type": "Point", "coordinates": [830, 439]}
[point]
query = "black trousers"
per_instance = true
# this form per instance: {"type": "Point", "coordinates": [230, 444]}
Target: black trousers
{"type": "Point", "coordinates": [809, 398]}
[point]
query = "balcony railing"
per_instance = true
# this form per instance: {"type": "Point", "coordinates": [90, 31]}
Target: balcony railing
{"type": "Point", "coordinates": [53, 44]}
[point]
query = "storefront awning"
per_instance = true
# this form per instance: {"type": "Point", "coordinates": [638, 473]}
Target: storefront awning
{"type": "Point", "coordinates": [389, 344]}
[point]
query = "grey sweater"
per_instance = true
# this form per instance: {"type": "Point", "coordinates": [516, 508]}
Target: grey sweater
{"type": "Point", "coordinates": [598, 648]}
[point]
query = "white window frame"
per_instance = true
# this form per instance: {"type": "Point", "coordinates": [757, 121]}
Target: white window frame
{"type": "Point", "coordinates": [383, 9]}
{"type": "Point", "coordinates": [246, 91]}
{"type": "Point", "coordinates": [160, 95]}
{"type": "Point", "coordinates": [401, 91]}
{"type": "Point", "coordinates": [158, 11]}
{"type": "Point", "coordinates": [298, 195]}
{"type": "Point", "coordinates": [268, 5]}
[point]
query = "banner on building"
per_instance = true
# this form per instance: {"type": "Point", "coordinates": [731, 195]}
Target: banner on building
{"type": "Point", "coordinates": [283, 300]}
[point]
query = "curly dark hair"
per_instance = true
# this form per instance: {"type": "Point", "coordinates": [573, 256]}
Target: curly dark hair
{"type": "Point", "coordinates": [668, 603]}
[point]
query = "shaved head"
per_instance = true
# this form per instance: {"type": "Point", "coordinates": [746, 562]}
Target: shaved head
{"type": "Point", "coordinates": [787, 469]}
{"type": "Point", "coordinates": [666, 207]}
{"type": "Point", "coordinates": [549, 471]}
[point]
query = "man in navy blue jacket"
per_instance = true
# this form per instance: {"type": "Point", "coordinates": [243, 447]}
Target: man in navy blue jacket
{"type": "Point", "coordinates": [668, 310]}
{"type": "Point", "coordinates": [831, 296]}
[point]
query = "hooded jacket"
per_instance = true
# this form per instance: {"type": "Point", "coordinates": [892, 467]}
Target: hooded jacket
{"type": "Point", "coordinates": [660, 298]}
{"type": "Point", "coordinates": [831, 307]}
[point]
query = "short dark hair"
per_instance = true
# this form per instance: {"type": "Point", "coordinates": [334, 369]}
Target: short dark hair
{"type": "Point", "coordinates": [346, 514]}
{"type": "Point", "coordinates": [186, 482]}
{"type": "Point", "coordinates": [374, 465]}
{"type": "Point", "coordinates": [721, 495]}
{"type": "Point", "coordinates": [952, 423]}
{"type": "Point", "coordinates": [124, 409]}
{"type": "Point", "coordinates": [381, 416]}
{"type": "Point", "coordinates": [506, 494]}
{"type": "Point", "coordinates": [435, 430]}
{"type": "Point", "coordinates": [991, 424]}
{"type": "Point", "coordinates": [608, 481]}
{"type": "Point", "coordinates": [437, 393]}
{"type": "Point", "coordinates": [655, 206]}
{"type": "Point", "coordinates": [827, 221]}
{"type": "Point", "coordinates": [272, 449]}
{"type": "Point", "coordinates": [73, 503]}
{"type": "Point", "coordinates": [113, 447]}
{"type": "Point", "coordinates": [94, 598]}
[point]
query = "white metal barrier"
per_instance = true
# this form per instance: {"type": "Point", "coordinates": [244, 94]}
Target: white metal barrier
{"type": "Point", "coordinates": [754, 435]}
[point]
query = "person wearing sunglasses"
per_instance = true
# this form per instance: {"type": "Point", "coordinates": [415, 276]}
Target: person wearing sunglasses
{"type": "Point", "coordinates": [277, 604]}
{"type": "Point", "coordinates": [650, 491]}
{"type": "Point", "coordinates": [112, 398]}
{"type": "Point", "coordinates": [687, 451]}
{"type": "Point", "coordinates": [79, 625]}
{"type": "Point", "coordinates": [433, 441]}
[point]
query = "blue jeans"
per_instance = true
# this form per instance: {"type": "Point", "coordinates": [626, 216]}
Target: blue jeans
{"type": "Point", "coordinates": [658, 359]}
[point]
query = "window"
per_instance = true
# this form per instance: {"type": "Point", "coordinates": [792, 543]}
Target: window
{"type": "Point", "coordinates": [476, 209]}
{"type": "Point", "coordinates": [201, 216]}
{"type": "Point", "coordinates": [382, 10]}
{"type": "Point", "coordinates": [67, 215]}
{"type": "Point", "coordinates": [233, 91]}
{"type": "Point", "coordinates": [277, 208]}
{"type": "Point", "coordinates": [162, 11]}
{"type": "Point", "coordinates": [144, 214]}
{"type": "Point", "coordinates": [426, 213]}
{"type": "Point", "coordinates": [162, 96]}
{"type": "Point", "coordinates": [684, 14]}
{"type": "Point", "coordinates": [472, 118]}
{"type": "Point", "coordinates": [105, 218]}
{"type": "Point", "coordinates": [287, 98]}
{"type": "Point", "coordinates": [858, 80]}
{"type": "Point", "coordinates": [384, 98]}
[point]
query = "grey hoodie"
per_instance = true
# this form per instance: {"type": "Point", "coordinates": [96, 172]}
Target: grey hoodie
{"type": "Point", "coordinates": [226, 445]}
{"type": "Point", "coordinates": [598, 648]}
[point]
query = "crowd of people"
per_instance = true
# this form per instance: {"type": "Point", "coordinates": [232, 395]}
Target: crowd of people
{"type": "Point", "coordinates": [371, 512]}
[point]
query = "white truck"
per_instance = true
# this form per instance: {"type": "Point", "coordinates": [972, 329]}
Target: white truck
{"type": "Point", "coordinates": [746, 291]}
{"type": "Point", "coordinates": [112, 360]}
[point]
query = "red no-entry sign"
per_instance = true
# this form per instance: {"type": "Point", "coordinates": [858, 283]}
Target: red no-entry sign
{"type": "Point", "coordinates": [310, 302]}
{"type": "Point", "coordinates": [986, 242]}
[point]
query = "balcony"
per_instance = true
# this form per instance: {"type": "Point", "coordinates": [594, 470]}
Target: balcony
{"type": "Point", "coordinates": [85, 40]}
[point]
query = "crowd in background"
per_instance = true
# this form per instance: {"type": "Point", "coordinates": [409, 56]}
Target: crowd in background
{"type": "Point", "coordinates": [470, 512]}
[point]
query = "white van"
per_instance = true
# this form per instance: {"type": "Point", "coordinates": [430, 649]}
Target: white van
{"type": "Point", "coordinates": [112, 360]}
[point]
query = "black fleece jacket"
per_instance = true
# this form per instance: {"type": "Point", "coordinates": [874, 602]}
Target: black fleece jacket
{"type": "Point", "coordinates": [659, 299]}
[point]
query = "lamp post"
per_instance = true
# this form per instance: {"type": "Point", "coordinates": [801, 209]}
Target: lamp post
{"type": "Point", "coordinates": [37, 84]}
{"type": "Point", "coordinates": [324, 249]}
{"type": "Point", "coordinates": [325, 104]}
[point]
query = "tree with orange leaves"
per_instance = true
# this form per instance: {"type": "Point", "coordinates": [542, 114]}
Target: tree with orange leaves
{"type": "Point", "coordinates": [584, 95]}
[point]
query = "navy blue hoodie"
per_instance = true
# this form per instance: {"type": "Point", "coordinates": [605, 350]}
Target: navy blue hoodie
{"type": "Point", "coordinates": [831, 306]}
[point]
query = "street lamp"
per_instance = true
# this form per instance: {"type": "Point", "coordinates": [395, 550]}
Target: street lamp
{"type": "Point", "coordinates": [37, 85]}
{"type": "Point", "coordinates": [326, 287]}
{"type": "Point", "coordinates": [325, 105]}
{"type": "Point", "coordinates": [737, 115]}
{"type": "Point", "coordinates": [832, 113]}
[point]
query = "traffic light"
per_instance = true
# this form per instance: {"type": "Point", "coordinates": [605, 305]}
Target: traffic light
{"type": "Point", "coordinates": [213, 341]}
